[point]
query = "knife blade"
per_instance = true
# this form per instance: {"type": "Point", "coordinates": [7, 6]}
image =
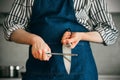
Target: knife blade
{"type": "Point", "coordinates": [62, 54]}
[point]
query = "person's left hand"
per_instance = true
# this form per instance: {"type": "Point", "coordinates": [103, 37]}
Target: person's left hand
{"type": "Point", "coordinates": [71, 38]}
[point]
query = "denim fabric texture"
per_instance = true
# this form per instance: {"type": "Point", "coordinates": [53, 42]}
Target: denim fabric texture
{"type": "Point", "coordinates": [50, 24]}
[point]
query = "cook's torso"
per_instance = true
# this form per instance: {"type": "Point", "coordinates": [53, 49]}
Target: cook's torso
{"type": "Point", "coordinates": [49, 20]}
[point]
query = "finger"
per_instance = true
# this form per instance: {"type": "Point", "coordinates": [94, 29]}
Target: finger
{"type": "Point", "coordinates": [68, 41]}
{"type": "Point", "coordinates": [66, 35]}
{"type": "Point", "coordinates": [71, 40]}
{"type": "Point", "coordinates": [40, 54]}
{"type": "Point", "coordinates": [71, 43]}
{"type": "Point", "coordinates": [44, 55]}
{"type": "Point", "coordinates": [49, 55]}
{"type": "Point", "coordinates": [64, 42]}
{"type": "Point", "coordinates": [34, 54]}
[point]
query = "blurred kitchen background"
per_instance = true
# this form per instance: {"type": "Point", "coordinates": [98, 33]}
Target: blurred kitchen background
{"type": "Point", "coordinates": [107, 57]}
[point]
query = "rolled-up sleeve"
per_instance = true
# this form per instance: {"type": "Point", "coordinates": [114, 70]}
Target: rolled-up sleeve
{"type": "Point", "coordinates": [103, 22]}
{"type": "Point", "coordinates": [17, 18]}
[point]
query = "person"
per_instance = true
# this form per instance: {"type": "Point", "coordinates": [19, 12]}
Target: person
{"type": "Point", "coordinates": [43, 25]}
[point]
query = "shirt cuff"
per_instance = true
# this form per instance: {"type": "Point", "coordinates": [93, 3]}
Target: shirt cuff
{"type": "Point", "coordinates": [109, 36]}
{"type": "Point", "coordinates": [10, 30]}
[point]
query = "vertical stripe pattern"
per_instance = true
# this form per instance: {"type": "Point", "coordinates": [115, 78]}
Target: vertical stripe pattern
{"type": "Point", "coordinates": [85, 10]}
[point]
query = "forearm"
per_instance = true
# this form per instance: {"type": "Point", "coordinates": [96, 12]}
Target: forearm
{"type": "Point", "coordinates": [23, 37]}
{"type": "Point", "coordinates": [92, 37]}
{"type": "Point", "coordinates": [39, 47]}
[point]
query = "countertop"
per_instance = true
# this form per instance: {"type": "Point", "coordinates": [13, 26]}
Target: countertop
{"type": "Point", "coordinates": [101, 77]}
{"type": "Point", "coordinates": [10, 79]}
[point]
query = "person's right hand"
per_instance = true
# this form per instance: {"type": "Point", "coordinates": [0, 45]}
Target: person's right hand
{"type": "Point", "coordinates": [40, 48]}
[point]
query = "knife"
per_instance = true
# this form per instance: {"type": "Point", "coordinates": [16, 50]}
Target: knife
{"type": "Point", "coordinates": [62, 54]}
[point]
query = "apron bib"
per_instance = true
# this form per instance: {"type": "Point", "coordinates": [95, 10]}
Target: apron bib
{"type": "Point", "coordinates": [49, 20]}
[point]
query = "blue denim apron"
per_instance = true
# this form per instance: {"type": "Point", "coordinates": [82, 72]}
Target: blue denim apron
{"type": "Point", "coordinates": [49, 20]}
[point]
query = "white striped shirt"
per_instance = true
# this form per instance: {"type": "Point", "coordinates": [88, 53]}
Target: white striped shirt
{"type": "Point", "coordinates": [93, 14]}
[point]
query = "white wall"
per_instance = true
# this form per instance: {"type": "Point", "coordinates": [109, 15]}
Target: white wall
{"type": "Point", "coordinates": [108, 57]}
{"type": "Point", "coordinates": [5, 5]}
{"type": "Point", "coordinates": [12, 53]}
{"type": "Point", "coordinates": [113, 5]}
